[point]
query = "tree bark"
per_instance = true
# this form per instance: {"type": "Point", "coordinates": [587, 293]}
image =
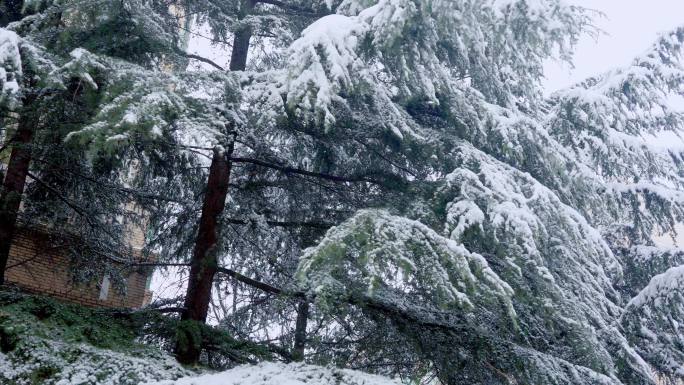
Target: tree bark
{"type": "Point", "coordinates": [238, 57]}
{"type": "Point", "coordinates": [13, 185]}
{"type": "Point", "coordinates": [300, 331]}
{"type": "Point", "coordinates": [204, 262]}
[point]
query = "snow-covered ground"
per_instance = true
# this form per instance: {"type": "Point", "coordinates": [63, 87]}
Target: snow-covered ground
{"type": "Point", "coordinates": [45, 361]}
{"type": "Point", "coordinates": [268, 373]}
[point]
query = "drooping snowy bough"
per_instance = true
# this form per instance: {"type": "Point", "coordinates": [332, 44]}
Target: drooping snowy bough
{"type": "Point", "coordinates": [545, 199]}
{"type": "Point", "coordinates": [513, 273]}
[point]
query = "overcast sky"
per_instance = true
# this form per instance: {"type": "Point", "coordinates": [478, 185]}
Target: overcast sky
{"type": "Point", "coordinates": [630, 26]}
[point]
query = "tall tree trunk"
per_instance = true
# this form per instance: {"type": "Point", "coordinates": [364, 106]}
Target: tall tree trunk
{"type": "Point", "coordinates": [238, 57]}
{"type": "Point", "coordinates": [13, 187]}
{"type": "Point", "coordinates": [300, 330]}
{"type": "Point", "coordinates": [204, 259]}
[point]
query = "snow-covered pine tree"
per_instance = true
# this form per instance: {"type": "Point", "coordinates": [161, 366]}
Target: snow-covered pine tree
{"type": "Point", "coordinates": [191, 114]}
{"type": "Point", "coordinates": [628, 123]}
{"type": "Point", "coordinates": [515, 245]}
{"type": "Point", "coordinates": [544, 228]}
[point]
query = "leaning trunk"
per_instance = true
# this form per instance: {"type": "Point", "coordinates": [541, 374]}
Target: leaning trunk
{"type": "Point", "coordinates": [204, 261]}
{"type": "Point", "coordinates": [13, 189]}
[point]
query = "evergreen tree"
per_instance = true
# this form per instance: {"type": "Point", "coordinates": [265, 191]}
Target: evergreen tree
{"type": "Point", "coordinates": [387, 183]}
{"type": "Point", "coordinates": [146, 112]}
{"type": "Point", "coordinates": [564, 264]}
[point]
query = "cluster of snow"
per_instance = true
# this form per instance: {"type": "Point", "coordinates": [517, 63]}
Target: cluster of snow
{"type": "Point", "coordinates": [522, 213]}
{"type": "Point", "coordinates": [337, 36]}
{"type": "Point", "coordinates": [536, 240]}
{"type": "Point", "coordinates": [369, 48]}
{"type": "Point", "coordinates": [374, 252]}
{"type": "Point", "coordinates": [61, 363]}
{"type": "Point", "coordinates": [10, 66]}
{"type": "Point", "coordinates": [643, 253]}
{"type": "Point", "coordinates": [661, 288]}
{"type": "Point", "coordinates": [148, 104]}
{"type": "Point", "coordinates": [283, 374]}
{"type": "Point", "coordinates": [653, 320]}
{"type": "Point", "coordinates": [601, 145]}
{"type": "Point", "coordinates": [327, 61]}
{"type": "Point", "coordinates": [529, 238]}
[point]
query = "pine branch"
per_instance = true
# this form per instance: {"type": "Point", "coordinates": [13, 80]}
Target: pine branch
{"type": "Point", "coordinates": [315, 225]}
{"type": "Point", "coordinates": [293, 8]}
{"type": "Point", "coordinates": [121, 189]}
{"type": "Point", "coordinates": [159, 264]}
{"type": "Point", "coordinates": [297, 171]}
{"type": "Point", "coordinates": [204, 60]}
{"type": "Point", "coordinates": [90, 218]}
{"type": "Point", "coordinates": [78, 209]}
{"type": "Point", "coordinates": [260, 285]}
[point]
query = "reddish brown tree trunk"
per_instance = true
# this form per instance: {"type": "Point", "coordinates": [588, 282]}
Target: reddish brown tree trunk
{"type": "Point", "coordinates": [238, 57]}
{"type": "Point", "coordinates": [204, 261]}
{"type": "Point", "coordinates": [13, 189]}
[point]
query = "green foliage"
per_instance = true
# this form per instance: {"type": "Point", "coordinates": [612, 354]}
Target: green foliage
{"type": "Point", "coordinates": [54, 338]}
{"type": "Point", "coordinates": [48, 318]}
{"type": "Point", "coordinates": [498, 261]}
{"type": "Point", "coordinates": [44, 341]}
{"type": "Point", "coordinates": [135, 30]}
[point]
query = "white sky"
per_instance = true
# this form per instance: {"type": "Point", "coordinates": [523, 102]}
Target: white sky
{"type": "Point", "coordinates": [630, 26]}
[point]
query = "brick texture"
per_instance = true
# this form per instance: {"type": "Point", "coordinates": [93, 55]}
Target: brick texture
{"type": "Point", "coordinates": [37, 267]}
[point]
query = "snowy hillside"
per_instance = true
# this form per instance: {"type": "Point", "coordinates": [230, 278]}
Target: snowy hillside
{"type": "Point", "coordinates": [283, 374]}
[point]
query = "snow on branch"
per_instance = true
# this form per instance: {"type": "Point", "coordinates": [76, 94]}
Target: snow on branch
{"type": "Point", "coordinates": [10, 67]}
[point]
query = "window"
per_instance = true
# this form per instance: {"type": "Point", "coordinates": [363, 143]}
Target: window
{"type": "Point", "coordinates": [104, 288]}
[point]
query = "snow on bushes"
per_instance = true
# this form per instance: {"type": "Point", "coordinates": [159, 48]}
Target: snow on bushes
{"type": "Point", "coordinates": [267, 373]}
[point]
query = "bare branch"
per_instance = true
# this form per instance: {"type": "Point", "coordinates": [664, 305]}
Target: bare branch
{"type": "Point", "coordinates": [204, 60]}
{"type": "Point", "coordinates": [260, 285]}
{"type": "Point", "coordinates": [315, 225]}
{"type": "Point", "coordinates": [292, 170]}
{"type": "Point", "coordinates": [293, 8]}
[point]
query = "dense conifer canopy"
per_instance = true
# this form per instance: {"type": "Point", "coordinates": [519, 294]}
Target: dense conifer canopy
{"type": "Point", "coordinates": [395, 163]}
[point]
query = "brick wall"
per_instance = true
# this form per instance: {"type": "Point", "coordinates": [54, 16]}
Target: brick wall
{"type": "Point", "coordinates": [37, 267]}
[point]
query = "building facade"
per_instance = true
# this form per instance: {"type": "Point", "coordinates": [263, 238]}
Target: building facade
{"type": "Point", "coordinates": [37, 266]}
